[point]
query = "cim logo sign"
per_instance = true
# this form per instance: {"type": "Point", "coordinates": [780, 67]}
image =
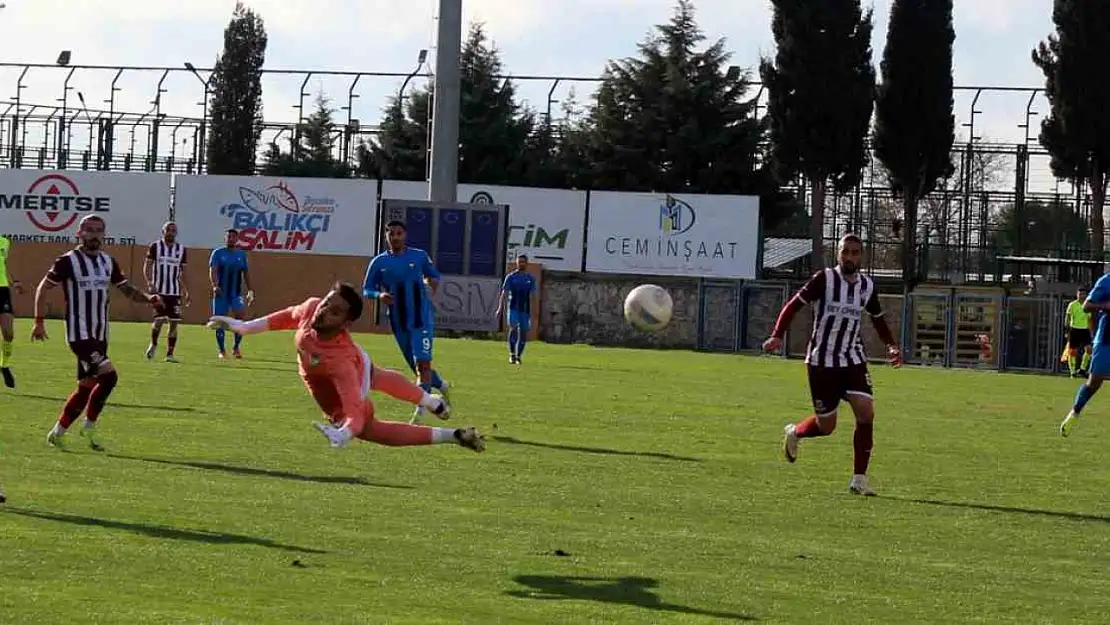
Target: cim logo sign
{"type": "Point", "coordinates": [53, 202]}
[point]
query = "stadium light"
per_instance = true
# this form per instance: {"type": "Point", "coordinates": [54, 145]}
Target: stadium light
{"type": "Point", "coordinates": [63, 56]}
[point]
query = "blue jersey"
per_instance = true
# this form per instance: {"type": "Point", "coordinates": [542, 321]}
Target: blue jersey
{"type": "Point", "coordinates": [230, 265]}
{"type": "Point", "coordinates": [1101, 295]}
{"type": "Point", "coordinates": [402, 276]}
{"type": "Point", "coordinates": [519, 286]}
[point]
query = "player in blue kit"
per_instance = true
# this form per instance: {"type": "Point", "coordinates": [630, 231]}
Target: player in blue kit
{"type": "Point", "coordinates": [396, 278]}
{"type": "Point", "coordinates": [520, 287]}
{"type": "Point", "coordinates": [228, 272]}
{"type": "Point", "coordinates": [1098, 302]}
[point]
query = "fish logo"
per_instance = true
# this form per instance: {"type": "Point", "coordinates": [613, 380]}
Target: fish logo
{"type": "Point", "coordinates": [271, 198]}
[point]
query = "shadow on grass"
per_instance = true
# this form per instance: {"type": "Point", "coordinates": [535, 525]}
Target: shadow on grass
{"type": "Point", "coordinates": [509, 440]}
{"type": "Point", "coordinates": [1072, 516]}
{"type": "Point", "coordinates": [253, 472]}
{"type": "Point", "coordinates": [634, 591]}
{"type": "Point", "coordinates": [159, 531]}
{"type": "Point", "coordinates": [111, 404]}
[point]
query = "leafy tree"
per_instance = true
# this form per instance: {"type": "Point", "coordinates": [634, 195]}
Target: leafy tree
{"type": "Point", "coordinates": [821, 95]}
{"type": "Point", "coordinates": [1077, 130]}
{"type": "Point", "coordinates": [494, 131]}
{"type": "Point", "coordinates": [1041, 228]}
{"type": "Point", "coordinates": [313, 156]}
{"type": "Point", "coordinates": [235, 109]}
{"type": "Point", "coordinates": [678, 118]}
{"type": "Point", "coordinates": [914, 124]}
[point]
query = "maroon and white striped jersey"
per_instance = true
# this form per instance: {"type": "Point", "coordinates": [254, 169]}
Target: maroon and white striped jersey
{"type": "Point", "coordinates": [85, 280]}
{"type": "Point", "coordinates": [838, 307]}
{"type": "Point", "coordinates": [168, 264]}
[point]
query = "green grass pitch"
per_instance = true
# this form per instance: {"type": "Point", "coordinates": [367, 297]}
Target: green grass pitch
{"type": "Point", "coordinates": [619, 486]}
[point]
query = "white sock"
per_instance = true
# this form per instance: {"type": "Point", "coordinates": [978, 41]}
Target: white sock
{"type": "Point", "coordinates": [90, 425]}
{"type": "Point", "coordinates": [58, 429]}
{"type": "Point", "coordinates": [429, 401]}
{"type": "Point", "coordinates": [443, 435]}
{"type": "Point", "coordinates": [344, 434]}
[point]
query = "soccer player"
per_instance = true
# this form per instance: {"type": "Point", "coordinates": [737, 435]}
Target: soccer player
{"type": "Point", "coordinates": [164, 270]}
{"type": "Point", "coordinates": [835, 357]}
{"type": "Point", "coordinates": [1098, 303]}
{"type": "Point", "coordinates": [340, 375]}
{"type": "Point", "coordinates": [85, 273]}
{"type": "Point", "coordinates": [228, 272]}
{"type": "Point", "coordinates": [1079, 334]}
{"type": "Point", "coordinates": [7, 315]}
{"type": "Point", "coordinates": [520, 287]}
{"type": "Point", "coordinates": [396, 278]}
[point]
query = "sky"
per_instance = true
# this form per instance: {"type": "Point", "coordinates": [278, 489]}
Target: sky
{"type": "Point", "coordinates": [551, 38]}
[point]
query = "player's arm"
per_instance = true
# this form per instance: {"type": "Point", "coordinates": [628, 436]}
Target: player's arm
{"type": "Point", "coordinates": [148, 265]}
{"type": "Point", "coordinates": [372, 286]}
{"type": "Point", "coordinates": [285, 319]}
{"type": "Point", "coordinates": [59, 271]}
{"type": "Point", "coordinates": [1098, 298]}
{"type": "Point", "coordinates": [875, 308]}
{"type": "Point", "coordinates": [186, 298]}
{"type": "Point", "coordinates": [811, 291]}
{"type": "Point", "coordinates": [130, 290]}
{"type": "Point", "coordinates": [501, 297]}
{"type": "Point", "coordinates": [247, 281]}
{"type": "Point", "coordinates": [431, 274]}
{"type": "Point", "coordinates": [213, 274]}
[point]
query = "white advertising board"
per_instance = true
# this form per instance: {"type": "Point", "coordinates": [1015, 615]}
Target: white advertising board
{"type": "Point", "coordinates": [703, 236]}
{"type": "Point", "coordinates": [39, 206]}
{"type": "Point", "coordinates": [545, 224]}
{"type": "Point", "coordinates": [301, 215]}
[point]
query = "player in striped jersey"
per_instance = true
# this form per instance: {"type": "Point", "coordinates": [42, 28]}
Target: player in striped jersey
{"type": "Point", "coordinates": [164, 270]}
{"type": "Point", "coordinates": [85, 273]}
{"type": "Point", "coordinates": [835, 357]}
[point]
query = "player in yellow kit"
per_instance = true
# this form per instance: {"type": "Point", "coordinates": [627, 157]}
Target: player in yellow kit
{"type": "Point", "coordinates": [1079, 335]}
{"type": "Point", "coordinates": [7, 315]}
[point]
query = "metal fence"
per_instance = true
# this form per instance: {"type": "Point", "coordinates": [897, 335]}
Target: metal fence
{"type": "Point", "coordinates": [941, 328]}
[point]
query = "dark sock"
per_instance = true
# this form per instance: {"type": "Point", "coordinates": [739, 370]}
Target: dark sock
{"type": "Point", "coordinates": [105, 382]}
{"type": "Point", "coordinates": [74, 405]}
{"type": "Point", "coordinates": [808, 428]}
{"type": "Point", "coordinates": [862, 442]}
{"type": "Point", "coordinates": [171, 344]}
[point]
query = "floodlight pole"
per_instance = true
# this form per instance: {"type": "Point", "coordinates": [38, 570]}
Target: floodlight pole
{"type": "Point", "coordinates": [444, 175]}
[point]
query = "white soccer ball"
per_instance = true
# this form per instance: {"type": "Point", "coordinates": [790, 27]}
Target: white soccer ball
{"type": "Point", "coordinates": [649, 307]}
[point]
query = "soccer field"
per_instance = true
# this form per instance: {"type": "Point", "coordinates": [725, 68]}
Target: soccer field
{"type": "Point", "coordinates": [619, 486]}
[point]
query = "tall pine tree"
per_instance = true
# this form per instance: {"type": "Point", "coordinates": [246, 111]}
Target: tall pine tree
{"type": "Point", "coordinates": [1077, 131]}
{"type": "Point", "coordinates": [821, 88]}
{"type": "Point", "coordinates": [235, 109]}
{"type": "Point", "coordinates": [675, 119]}
{"type": "Point", "coordinates": [494, 129]}
{"type": "Point", "coordinates": [315, 154]}
{"type": "Point", "coordinates": [914, 124]}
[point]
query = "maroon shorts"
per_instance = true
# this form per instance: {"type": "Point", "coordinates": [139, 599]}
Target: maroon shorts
{"type": "Point", "coordinates": [169, 307]}
{"type": "Point", "coordinates": [829, 385]}
{"type": "Point", "coordinates": [91, 354]}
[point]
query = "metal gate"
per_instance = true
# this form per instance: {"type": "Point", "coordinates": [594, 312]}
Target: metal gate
{"type": "Point", "coordinates": [719, 316]}
{"type": "Point", "coordinates": [1032, 335]}
{"type": "Point", "coordinates": [761, 305]}
{"type": "Point", "coordinates": [926, 329]}
{"type": "Point", "coordinates": [976, 320]}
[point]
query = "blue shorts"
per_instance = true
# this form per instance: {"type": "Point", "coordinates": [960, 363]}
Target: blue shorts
{"type": "Point", "coordinates": [1100, 361]}
{"type": "Point", "coordinates": [416, 345]}
{"type": "Point", "coordinates": [222, 306]}
{"type": "Point", "coordinates": [520, 320]}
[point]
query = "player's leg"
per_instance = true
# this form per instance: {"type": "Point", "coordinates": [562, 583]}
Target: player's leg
{"type": "Point", "coordinates": [514, 333]}
{"type": "Point", "coordinates": [1099, 371]}
{"type": "Point", "coordinates": [1085, 365]}
{"type": "Point", "coordinates": [524, 326]}
{"type": "Point", "coordinates": [173, 318]}
{"type": "Point", "coordinates": [155, 331]}
{"type": "Point", "coordinates": [106, 380]}
{"type": "Point", "coordinates": [396, 385]}
{"type": "Point", "coordinates": [238, 311]}
{"type": "Point", "coordinates": [1073, 354]}
{"type": "Point", "coordinates": [860, 397]}
{"type": "Point", "coordinates": [825, 394]}
{"type": "Point", "coordinates": [7, 333]}
{"type": "Point", "coordinates": [90, 360]}
{"type": "Point", "coordinates": [220, 307]}
{"type": "Point", "coordinates": [404, 344]}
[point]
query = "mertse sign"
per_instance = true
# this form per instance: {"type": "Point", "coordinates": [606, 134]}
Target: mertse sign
{"type": "Point", "coordinates": [40, 206]}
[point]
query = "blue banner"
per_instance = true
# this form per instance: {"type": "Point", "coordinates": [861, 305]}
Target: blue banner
{"type": "Point", "coordinates": [418, 220]}
{"type": "Point", "coordinates": [484, 228]}
{"type": "Point", "coordinates": [450, 253]}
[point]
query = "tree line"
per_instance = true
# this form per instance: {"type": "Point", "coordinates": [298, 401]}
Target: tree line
{"type": "Point", "coordinates": [679, 117]}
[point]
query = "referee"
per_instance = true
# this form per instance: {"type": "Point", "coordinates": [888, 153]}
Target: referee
{"type": "Point", "coordinates": [1079, 335]}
